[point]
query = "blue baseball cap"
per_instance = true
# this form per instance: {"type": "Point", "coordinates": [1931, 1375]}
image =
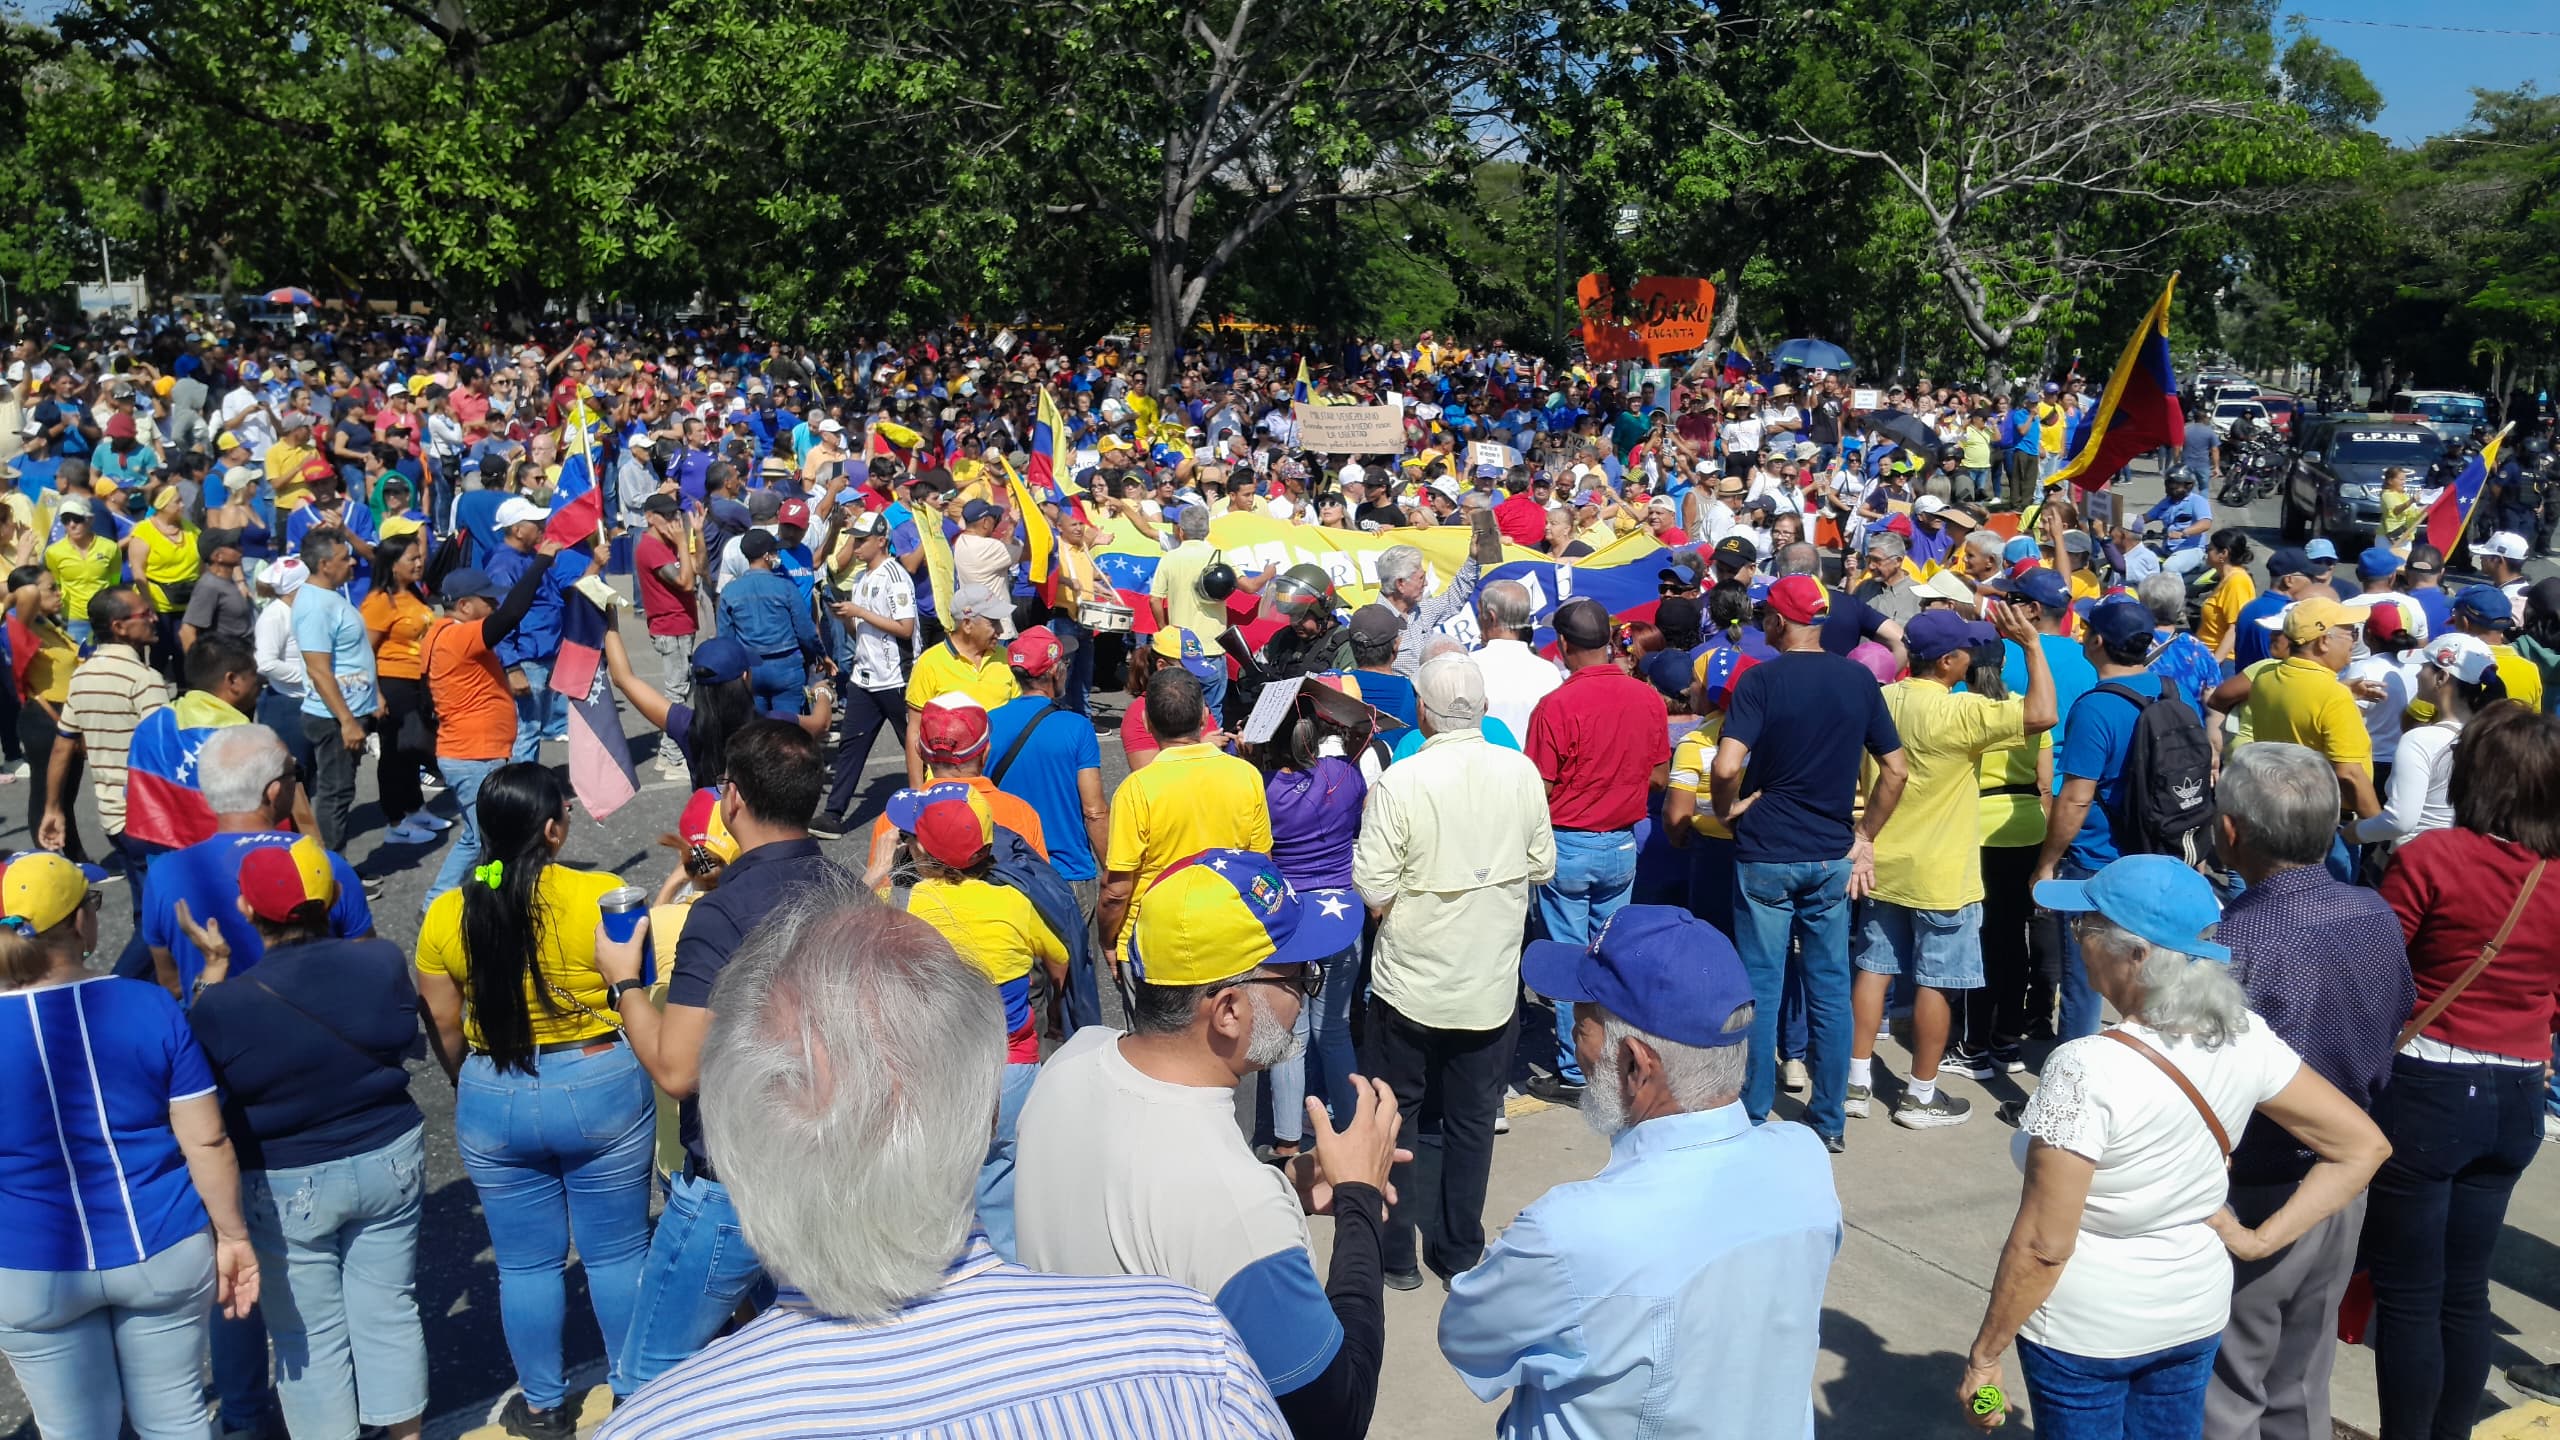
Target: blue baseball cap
{"type": "Point", "coordinates": [2320, 552]}
{"type": "Point", "coordinates": [2288, 561]}
{"type": "Point", "coordinates": [1933, 635]}
{"type": "Point", "coordinates": [2119, 622]}
{"type": "Point", "coordinates": [467, 582]}
{"type": "Point", "coordinates": [2486, 603]}
{"type": "Point", "coordinates": [2158, 897]}
{"type": "Point", "coordinates": [1657, 967]}
{"type": "Point", "coordinates": [2376, 562]}
{"type": "Point", "coordinates": [2037, 586]}
{"type": "Point", "coordinates": [721, 659]}
{"type": "Point", "coordinates": [2020, 548]}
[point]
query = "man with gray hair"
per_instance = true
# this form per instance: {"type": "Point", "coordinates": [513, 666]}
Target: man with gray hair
{"type": "Point", "coordinates": [848, 1081]}
{"type": "Point", "coordinates": [1404, 576]}
{"type": "Point", "coordinates": [1453, 844]}
{"type": "Point", "coordinates": [1849, 619]}
{"type": "Point", "coordinates": [1888, 588]}
{"type": "Point", "coordinates": [1516, 677]}
{"type": "Point", "coordinates": [250, 783]}
{"type": "Point", "coordinates": [1687, 1277]}
{"type": "Point", "coordinates": [2323, 963]}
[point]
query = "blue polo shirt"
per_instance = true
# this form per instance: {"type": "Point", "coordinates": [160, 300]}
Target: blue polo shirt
{"type": "Point", "coordinates": [2096, 734]}
{"type": "Point", "coordinates": [2250, 640]}
{"type": "Point", "coordinates": [1044, 774]}
{"type": "Point", "coordinates": [753, 886]}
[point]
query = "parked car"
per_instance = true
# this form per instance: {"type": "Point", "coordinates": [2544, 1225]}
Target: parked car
{"type": "Point", "coordinates": [2281, 408]}
{"type": "Point", "coordinates": [2451, 413]}
{"type": "Point", "coordinates": [2334, 485]}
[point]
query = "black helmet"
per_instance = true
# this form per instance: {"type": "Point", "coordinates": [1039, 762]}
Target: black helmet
{"type": "Point", "coordinates": [1217, 581]}
{"type": "Point", "coordinates": [1301, 590]}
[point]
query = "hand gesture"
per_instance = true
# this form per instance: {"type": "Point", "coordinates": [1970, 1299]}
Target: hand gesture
{"type": "Point", "coordinates": [2243, 1242]}
{"type": "Point", "coordinates": [208, 939]}
{"type": "Point", "coordinates": [50, 831]}
{"type": "Point", "coordinates": [235, 1276]}
{"type": "Point", "coordinates": [1361, 1153]}
{"type": "Point", "coordinates": [2009, 621]}
{"type": "Point", "coordinates": [549, 548]}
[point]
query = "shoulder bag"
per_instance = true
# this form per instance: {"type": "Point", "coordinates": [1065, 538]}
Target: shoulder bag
{"type": "Point", "coordinates": [2186, 1087]}
{"type": "Point", "coordinates": [2488, 952]}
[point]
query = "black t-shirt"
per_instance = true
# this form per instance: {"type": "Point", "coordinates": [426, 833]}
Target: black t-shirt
{"type": "Point", "coordinates": [297, 1091]}
{"type": "Point", "coordinates": [1805, 716]}
{"type": "Point", "coordinates": [1385, 516]}
{"type": "Point", "coordinates": [1850, 621]}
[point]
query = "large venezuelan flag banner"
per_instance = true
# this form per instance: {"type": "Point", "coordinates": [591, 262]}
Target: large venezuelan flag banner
{"type": "Point", "coordinates": [2138, 412]}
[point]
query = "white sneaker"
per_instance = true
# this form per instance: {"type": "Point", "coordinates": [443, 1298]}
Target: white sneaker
{"type": "Point", "coordinates": [19, 771]}
{"type": "Point", "coordinates": [1501, 1124]}
{"type": "Point", "coordinates": [2550, 1126]}
{"type": "Point", "coordinates": [1793, 1075]}
{"type": "Point", "coordinates": [434, 824]}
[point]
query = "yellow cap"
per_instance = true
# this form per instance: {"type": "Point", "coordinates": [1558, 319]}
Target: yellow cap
{"type": "Point", "coordinates": [40, 890]}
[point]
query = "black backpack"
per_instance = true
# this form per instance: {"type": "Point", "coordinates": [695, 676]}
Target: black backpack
{"type": "Point", "coordinates": [2167, 791]}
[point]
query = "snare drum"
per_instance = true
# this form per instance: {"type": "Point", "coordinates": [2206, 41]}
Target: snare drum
{"type": "Point", "coordinates": [1100, 615]}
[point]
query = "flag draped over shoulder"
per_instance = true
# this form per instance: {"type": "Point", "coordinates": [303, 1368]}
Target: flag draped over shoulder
{"type": "Point", "coordinates": [164, 800]}
{"type": "Point", "coordinates": [2451, 514]}
{"type": "Point", "coordinates": [2138, 412]}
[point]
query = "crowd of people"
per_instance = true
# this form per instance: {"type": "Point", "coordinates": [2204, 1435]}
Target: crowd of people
{"type": "Point", "coordinates": [995, 1098]}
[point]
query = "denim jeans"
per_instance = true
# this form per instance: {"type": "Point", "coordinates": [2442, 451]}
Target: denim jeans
{"type": "Point", "coordinates": [995, 1174]}
{"type": "Point", "coordinates": [781, 686]}
{"type": "Point", "coordinates": [282, 713]}
{"type": "Point", "coordinates": [1077, 693]}
{"type": "Point", "coordinates": [2460, 1137]}
{"type": "Point", "coordinates": [1214, 692]}
{"type": "Point", "coordinates": [1807, 902]}
{"type": "Point", "coordinates": [333, 778]}
{"type": "Point", "coordinates": [2080, 1006]}
{"type": "Point", "coordinates": [1284, 1085]}
{"type": "Point", "coordinates": [93, 1349]}
{"type": "Point", "coordinates": [540, 714]}
{"type": "Point", "coordinates": [2159, 1396]}
{"type": "Point", "coordinates": [464, 777]}
{"type": "Point", "coordinates": [1329, 1053]}
{"type": "Point", "coordinates": [337, 1243]}
{"type": "Point", "coordinates": [134, 962]}
{"type": "Point", "coordinates": [1595, 873]}
{"type": "Point", "coordinates": [565, 1149]}
{"type": "Point", "coordinates": [699, 1269]}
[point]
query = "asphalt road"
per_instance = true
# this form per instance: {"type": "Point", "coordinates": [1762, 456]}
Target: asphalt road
{"type": "Point", "coordinates": [468, 1367]}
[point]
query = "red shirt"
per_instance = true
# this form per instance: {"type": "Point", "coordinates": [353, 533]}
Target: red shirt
{"type": "Point", "coordinates": [670, 611]}
{"type": "Point", "coordinates": [1596, 739]}
{"type": "Point", "coordinates": [2452, 889]}
{"type": "Point", "coordinates": [1522, 520]}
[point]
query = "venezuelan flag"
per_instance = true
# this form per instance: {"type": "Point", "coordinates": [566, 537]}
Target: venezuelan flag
{"type": "Point", "coordinates": [163, 800]}
{"type": "Point", "coordinates": [1039, 543]}
{"type": "Point", "coordinates": [2138, 413]}
{"type": "Point", "coordinates": [1049, 465]}
{"type": "Point", "coordinates": [578, 470]}
{"type": "Point", "coordinates": [1305, 393]}
{"type": "Point", "coordinates": [2451, 514]}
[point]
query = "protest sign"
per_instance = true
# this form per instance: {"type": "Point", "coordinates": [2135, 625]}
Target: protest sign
{"type": "Point", "coordinates": [1491, 455]}
{"type": "Point", "coordinates": [1865, 399]}
{"type": "Point", "coordinates": [1350, 429]}
{"type": "Point", "coordinates": [1659, 315]}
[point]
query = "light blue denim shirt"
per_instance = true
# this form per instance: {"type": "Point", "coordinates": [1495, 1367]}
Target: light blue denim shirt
{"type": "Point", "coordinates": [1677, 1291]}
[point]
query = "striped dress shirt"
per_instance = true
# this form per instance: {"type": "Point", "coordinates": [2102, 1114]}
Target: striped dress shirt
{"type": "Point", "coordinates": [998, 1352]}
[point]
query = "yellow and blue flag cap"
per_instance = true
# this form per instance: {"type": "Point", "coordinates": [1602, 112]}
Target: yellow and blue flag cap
{"type": "Point", "coordinates": [1222, 914]}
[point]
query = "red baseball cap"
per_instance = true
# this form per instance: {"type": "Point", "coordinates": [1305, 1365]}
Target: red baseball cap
{"type": "Point", "coordinates": [1799, 599]}
{"type": "Point", "coordinates": [1035, 651]}
{"type": "Point", "coordinates": [952, 727]}
{"type": "Point", "coordinates": [955, 831]}
{"type": "Point", "coordinates": [278, 880]}
{"type": "Point", "coordinates": [793, 512]}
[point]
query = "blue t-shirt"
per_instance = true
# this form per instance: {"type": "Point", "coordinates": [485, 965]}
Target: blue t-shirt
{"type": "Point", "coordinates": [207, 876]}
{"type": "Point", "coordinates": [91, 1069]}
{"type": "Point", "coordinates": [2073, 675]}
{"type": "Point", "coordinates": [37, 476]}
{"type": "Point", "coordinates": [1392, 696]}
{"type": "Point", "coordinates": [2437, 605]}
{"type": "Point", "coordinates": [1850, 621]}
{"type": "Point", "coordinates": [2096, 733]}
{"type": "Point", "coordinates": [1806, 716]}
{"type": "Point", "coordinates": [475, 514]}
{"type": "Point", "coordinates": [2249, 639]}
{"type": "Point", "coordinates": [325, 624]}
{"type": "Point", "coordinates": [2180, 515]}
{"type": "Point", "coordinates": [1044, 774]}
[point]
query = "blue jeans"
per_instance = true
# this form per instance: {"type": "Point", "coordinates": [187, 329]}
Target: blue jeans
{"type": "Point", "coordinates": [93, 1349]}
{"type": "Point", "coordinates": [1808, 902]}
{"type": "Point", "coordinates": [699, 1269]}
{"type": "Point", "coordinates": [337, 1243]}
{"type": "Point", "coordinates": [283, 714]}
{"type": "Point", "coordinates": [995, 1175]}
{"type": "Point", "coordinates": [79, 632]}
{"type": "Point", "coordinates": [1213, 693]}
{"type": "Point", "coordinates": [1595, 873]}
{"type": "Point", "coordinates": [2159, 1396]}
{"type": "Point", "coordinates": [1329, 1049]}
{"type": "Point", "coordinates": [2080, 1007]}
{"type": "Point", "coordinates": [1079, 686]}
{"type": "Point", "coordinates": [540, 715]}
{"type": "Point", "coordinates": [565, 1149]}
{"type": "Point", "coordinates": [779, 685]}
{"type": "Point", "coordinates": [465, 778]}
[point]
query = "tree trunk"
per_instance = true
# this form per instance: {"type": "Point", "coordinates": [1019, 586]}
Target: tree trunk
{"type": "Point", "coordinates": [1164, 294]}
{"type": "Point", "coordinates": [1728, 316]}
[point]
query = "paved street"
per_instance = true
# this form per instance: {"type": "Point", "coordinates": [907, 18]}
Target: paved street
{"type": "Point", "coordinates": [1926, 1213]}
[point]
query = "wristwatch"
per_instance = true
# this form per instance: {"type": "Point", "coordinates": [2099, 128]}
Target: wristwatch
{"type": "Point", "coordinates": [620, 988]}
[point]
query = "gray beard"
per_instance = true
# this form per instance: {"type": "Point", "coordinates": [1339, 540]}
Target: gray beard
{"type": "Point", "coordinates": [1604, 1104]}
{"type": "Point", "coordinates": [1271, 1041]}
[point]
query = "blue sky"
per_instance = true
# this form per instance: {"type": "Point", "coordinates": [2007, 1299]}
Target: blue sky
{"type": "Point", "coordinates": [2426, 76]}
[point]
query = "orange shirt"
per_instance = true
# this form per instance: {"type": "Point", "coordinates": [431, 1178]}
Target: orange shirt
{"type": "Point", "coordinates": [402, 621]}
{"type": "Point", "coordinates": [475, 712]}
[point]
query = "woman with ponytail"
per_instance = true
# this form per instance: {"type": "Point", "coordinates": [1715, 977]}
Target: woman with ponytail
{"type": "Point", "coordinates": [552, 1113]}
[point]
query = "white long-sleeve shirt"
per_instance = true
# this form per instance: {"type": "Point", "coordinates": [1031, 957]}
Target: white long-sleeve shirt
{"type": "Point", "coordinates": [2418, 797]}
{"type": "Point", "coordinates": [279, 657]}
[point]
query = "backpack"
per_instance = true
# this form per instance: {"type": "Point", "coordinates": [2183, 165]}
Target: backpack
{"type": "Point", "coordinates": [2166, 794]}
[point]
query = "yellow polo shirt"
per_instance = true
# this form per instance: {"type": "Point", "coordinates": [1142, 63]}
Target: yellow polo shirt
{"type": "Point", "coordinates": [2301, 702]}
{"type": "Point", "coordinates": [1192, 798]}
{"type": "Point", "coordinates": [2523, 678]}
{"type": "Point", "coordinates": [943, 669]}
{"type": "Point", "coordinates": [1930, 854]}
{"type": "Point", "coordinates": [83, 573]}
{"type": "Point", "coordinates": [1693, 767]}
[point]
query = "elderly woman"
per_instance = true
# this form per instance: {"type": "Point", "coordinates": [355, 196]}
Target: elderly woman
{"type": "Point", "coordinates": [2116, 1279]}
{"type": "Point", "coordinates": [2465, 1102]}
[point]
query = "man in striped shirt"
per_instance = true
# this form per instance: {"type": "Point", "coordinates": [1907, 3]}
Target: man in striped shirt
{"type": "Point", "coordinates": [110, 693]}
{"type": "Point", "coordinates": [850, 1059]}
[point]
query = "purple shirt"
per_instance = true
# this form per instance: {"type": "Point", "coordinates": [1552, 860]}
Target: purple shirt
{"type": "Point", "coordinates": [1315, 818]}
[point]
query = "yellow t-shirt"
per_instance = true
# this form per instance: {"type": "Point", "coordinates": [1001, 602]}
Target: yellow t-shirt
{"type": "Point", "coordinates": [1930, 854]}
{"type": "Point", "coordinates": [2301, 702]}
{"type": "Point", "coordinates": [284, 462]}
{"type": "Point", "coordinates": [83, 573]}
{"type": "Point", "coordinates": [2222, 607]}
{"type": "Point", "coordinates": [2049, 428]}
{"type": "Point", "coordinates": [1693, 767]}
{"type": "Point", "coordinates": [1192, 798]}
{"type": "Point", "coordinates": [2400, 515]}
{"type": "Point", "coordinates": [943, 669]}
{"type": "Point", "coordinates": [2523, 678]}
{"type": "Point", "coordinates": [567, 960]}
{"type": "Point", "coordinates": [1177, 584]}
{"type": "Point", "coordinates": [2241, 730]}
{"type": "Point", "coordinates": [167, 563]}
{"type": "Point", "coordinates": [57, 655]}
{"type": "Point", "coordinates": [2012, 808]}
{"type": "Point", "coordinates": [994, 927]}
{"type": "Point", "coordinates": [1977, 448]}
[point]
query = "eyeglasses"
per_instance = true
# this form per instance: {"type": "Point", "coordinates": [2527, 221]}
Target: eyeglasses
{"type": "Point", "coordinates": [1308, 982]}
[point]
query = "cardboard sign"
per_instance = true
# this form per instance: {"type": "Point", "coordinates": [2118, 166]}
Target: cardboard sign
{"type": "Point", "coordinates": [1867, 399]}
{"type": "Point", "coordinates": [1491, 455]}
{"type": "Point", "coordinates": [1351, 429]}
{"type": "Point", "coordinates": [1659, 315]}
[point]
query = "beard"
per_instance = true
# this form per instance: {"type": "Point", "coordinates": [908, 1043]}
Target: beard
{"type": "Point", "coordinates": [1271, 1041]}
{"type": "Point", "coordinates": [1604, 1103]}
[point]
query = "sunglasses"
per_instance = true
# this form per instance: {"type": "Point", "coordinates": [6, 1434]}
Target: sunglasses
{"type": "Point", "coordinates": [1309, 982]}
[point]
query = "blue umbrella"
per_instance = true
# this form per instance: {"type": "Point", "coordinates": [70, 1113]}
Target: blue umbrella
{"type": "Point", "coordinates": [1813, 355]}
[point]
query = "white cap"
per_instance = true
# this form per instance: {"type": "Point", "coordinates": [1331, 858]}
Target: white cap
{"type": "Point", "coordinates": [1928, 505]}
{"type": "Point", "coordinates": [1450, 688]}
{"type": "Point", "coordinates": [641, 441]}
{"type": "Point", "coordinates": [516, 510]}
{"type": "Point", "coordinates": [286, 575]}
{"type": "Point", "coordinates": [2506, 545]}
{"type": "Point", "coordinates": [2464, 657]}
{"type": "Point", "coordinates": [830, 426]}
